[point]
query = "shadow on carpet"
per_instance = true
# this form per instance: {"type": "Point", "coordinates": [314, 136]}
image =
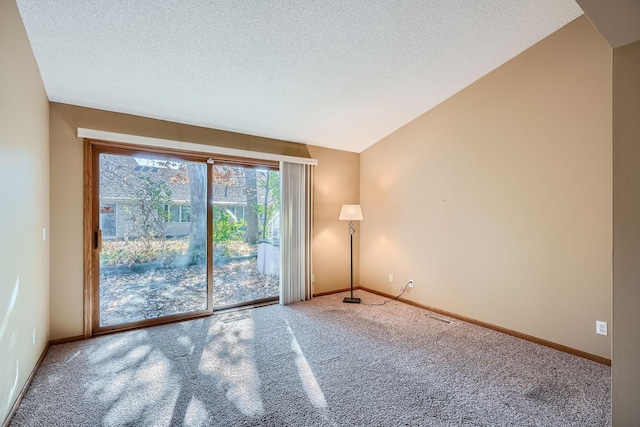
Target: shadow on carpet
{"type": "Point", "coordinates": [316, 363]}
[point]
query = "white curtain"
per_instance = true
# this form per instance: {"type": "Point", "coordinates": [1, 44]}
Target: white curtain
{"type": "Point", "coordinates": [296, 213]}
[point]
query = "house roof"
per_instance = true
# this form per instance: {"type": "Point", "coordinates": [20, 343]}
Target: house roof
{"type": "Point", "coordinates": [121, 177]}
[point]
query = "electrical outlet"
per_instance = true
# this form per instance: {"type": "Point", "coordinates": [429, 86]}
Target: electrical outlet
{"type": "Point", "coordinates": [601, 327]}
{"type": "Point", "coordinates": [44, 233]}
{"type": "Point", "coordinates": [390, 277]}
{"type": "Point", "coordinates": [411, 283]}
{"type": "Point", "coordinates": [33, 337]}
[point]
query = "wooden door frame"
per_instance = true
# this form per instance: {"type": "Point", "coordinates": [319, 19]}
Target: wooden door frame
{"type": "Point", "coordinates": [92, 149]}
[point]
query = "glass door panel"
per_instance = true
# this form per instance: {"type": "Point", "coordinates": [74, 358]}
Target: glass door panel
{"type": "Point", "coordinates": [153, 219]}
{"type": "Point", "coordinates": [246, 229]}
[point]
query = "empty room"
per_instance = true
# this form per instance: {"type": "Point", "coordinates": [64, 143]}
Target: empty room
{"type": "Point", "coordinates": [341, 213]}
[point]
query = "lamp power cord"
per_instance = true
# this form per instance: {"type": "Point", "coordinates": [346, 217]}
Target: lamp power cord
{"type": "Point", "coordinates": [404, 289]}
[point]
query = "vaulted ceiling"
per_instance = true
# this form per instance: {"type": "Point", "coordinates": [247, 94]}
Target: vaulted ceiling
{"type": "Point", "coordinates": [336, 73]}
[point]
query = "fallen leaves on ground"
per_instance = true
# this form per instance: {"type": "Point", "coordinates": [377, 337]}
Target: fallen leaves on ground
{"type": "Point", "coordinates": [156, 293]}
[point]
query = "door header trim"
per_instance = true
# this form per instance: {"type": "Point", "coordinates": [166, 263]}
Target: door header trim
{"type": "Point", "coordinates": [190, 146]}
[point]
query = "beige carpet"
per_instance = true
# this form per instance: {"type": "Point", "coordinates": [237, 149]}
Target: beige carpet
{"type": "Point", "coordinates": [317, 363]}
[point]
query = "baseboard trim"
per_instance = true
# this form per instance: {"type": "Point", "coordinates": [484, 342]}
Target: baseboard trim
{"type": "Point", "coordinates": [23, 392]}
{"type": "Point", "coordinates": [337, 291]}
{"type": "Point", "coordinates": [511, 332]}
{"type": "Point", "coordinates": [66, 340]}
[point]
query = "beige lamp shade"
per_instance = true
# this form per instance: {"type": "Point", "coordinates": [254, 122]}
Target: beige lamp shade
{"type": "Point", "coordinates": [351, 213]}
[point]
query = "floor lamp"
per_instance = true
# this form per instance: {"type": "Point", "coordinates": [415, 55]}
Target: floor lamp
{"type": "Point", "coordinates": [351, 213]}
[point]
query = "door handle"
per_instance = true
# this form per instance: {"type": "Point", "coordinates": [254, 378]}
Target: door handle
{"type": "Point", "coordinates": [97, 240]}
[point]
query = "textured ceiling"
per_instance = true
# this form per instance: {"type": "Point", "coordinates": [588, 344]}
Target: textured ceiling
{"type": "Point", "coordinates": [335, 73]}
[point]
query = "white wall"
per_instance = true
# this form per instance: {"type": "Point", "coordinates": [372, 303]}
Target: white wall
{"type": "Point", "coordinates": [24, 208]}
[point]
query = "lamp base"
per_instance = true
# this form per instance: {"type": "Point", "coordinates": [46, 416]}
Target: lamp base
{"type": "Point", "coordinates": [351, 300]}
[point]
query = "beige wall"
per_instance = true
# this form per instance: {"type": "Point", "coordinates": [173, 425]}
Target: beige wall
{"type": "Point", "coordinates": [67, 192]}
{"type": "Point", "coordinates": [525, 238]}
{"type": "Point", "coordinates": [498, 201]}
{"type": "Point", "coordinates": [336, 182]}
{"type": "Point", "coordinates": [626, 235]}
{"type": "Point", "coordinates": [618, 20]}
{"type": "Point", "coordinates": [24, 195]}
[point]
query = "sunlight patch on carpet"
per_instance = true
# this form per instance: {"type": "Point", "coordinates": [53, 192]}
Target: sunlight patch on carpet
{"type": "Point", "coordinates": [308, 379]}
{"type": "Point", "coordinates": [196, 413]}
{"type": "Point", "coordinates": [151, 381]}
{"type": "Point", "coordinates": [229, 357]}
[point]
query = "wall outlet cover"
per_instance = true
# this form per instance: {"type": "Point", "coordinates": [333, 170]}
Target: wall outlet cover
{"type": "Point", "coordinates": [601, 327]}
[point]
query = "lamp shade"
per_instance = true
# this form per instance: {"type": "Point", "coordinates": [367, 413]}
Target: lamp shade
{"type": "Point", "coordinates": [351, 213]}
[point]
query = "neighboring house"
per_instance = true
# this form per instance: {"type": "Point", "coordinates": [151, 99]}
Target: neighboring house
{"type": "Point", "coordinates": [122, 186]}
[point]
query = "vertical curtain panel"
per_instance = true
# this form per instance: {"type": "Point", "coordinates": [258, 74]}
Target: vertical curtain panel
{"type": "Point", "coordinates": [296, 213]}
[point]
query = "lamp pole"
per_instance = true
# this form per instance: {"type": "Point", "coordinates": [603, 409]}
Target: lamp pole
{"type": "Point", "coordinates": [351, 213]}
{"type": "Point", "coordinates": [351, 227]}
{"type": "Point", "coordinates": [352, 299]}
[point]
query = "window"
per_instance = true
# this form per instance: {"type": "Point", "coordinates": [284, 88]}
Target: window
{"type": "Point", "coordinates": [238, 211]}
{"type": "Point", "coordinates": [178, 213]}
{"type": "Point", "coordinates": [108, 219]}
{"type": "Point", "coordinates": [185, 213]}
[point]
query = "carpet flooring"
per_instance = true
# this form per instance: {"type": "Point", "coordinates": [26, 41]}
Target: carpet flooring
{"type": "Point", "coordinates": [316, 363]}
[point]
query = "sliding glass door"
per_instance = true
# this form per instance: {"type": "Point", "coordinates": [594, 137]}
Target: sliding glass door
{"type": "Point", "coordinates": [246, 248]}
{"type": "Point", "coordinates": [176, 237]}
{"type": "Point", "coordinates": [152, 240]}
